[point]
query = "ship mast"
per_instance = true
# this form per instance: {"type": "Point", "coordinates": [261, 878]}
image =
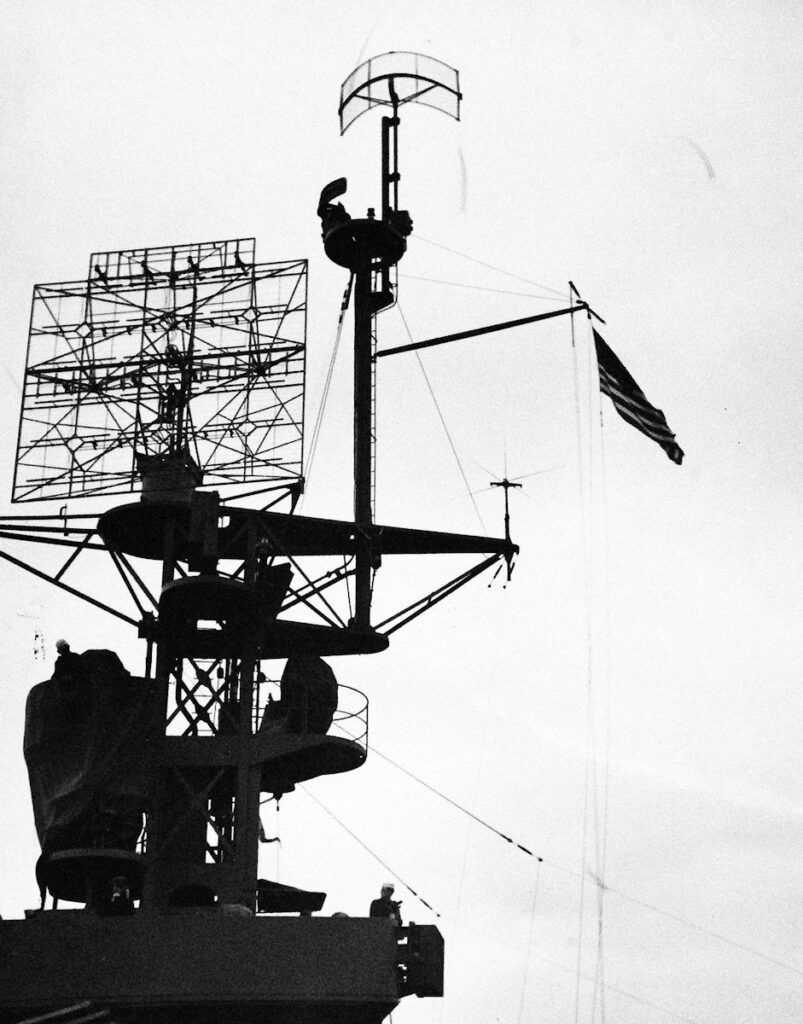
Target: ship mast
{"type": "Point", "coordinates": [369, 248]}
{"type": "Point", "coordinates": [167, 380]}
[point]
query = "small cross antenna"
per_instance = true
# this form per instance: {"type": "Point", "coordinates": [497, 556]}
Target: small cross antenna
{"type": "Point", "coordinates": [506, 485]}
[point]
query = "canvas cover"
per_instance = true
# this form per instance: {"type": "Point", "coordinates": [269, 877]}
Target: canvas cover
{"type": "Point", "coordinates": [309, 698]}
{"type": "Point", "coordinates": [90, 742]}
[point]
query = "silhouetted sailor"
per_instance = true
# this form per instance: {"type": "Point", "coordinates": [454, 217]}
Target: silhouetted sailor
{"type": "Point", "coordinates": [68, 664]}
{"type": "Point", "coordinates": [120, 903]}
{"type": "Point", "coordinates": [384, 906]}
{"type": "Point", "coordinates": [173, 355]}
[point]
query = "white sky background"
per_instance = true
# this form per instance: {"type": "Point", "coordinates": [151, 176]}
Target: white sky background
{"type": "Point", "coordinates": [146, 124]}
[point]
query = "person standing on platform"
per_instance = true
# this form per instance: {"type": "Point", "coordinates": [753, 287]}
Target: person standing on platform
{"type": "Point", "coordinates": [120, 903]}
{"type": "Point", "coordinates": [384, 906]}
{"type": "Point", "coordinates": [68, 664]}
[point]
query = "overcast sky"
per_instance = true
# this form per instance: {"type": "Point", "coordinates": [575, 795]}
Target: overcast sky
{"type": "Point", "coordinates": [651, 154]}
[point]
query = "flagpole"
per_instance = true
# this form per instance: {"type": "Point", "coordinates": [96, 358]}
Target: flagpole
{"type": "Point", "coordinates": [573, 292]}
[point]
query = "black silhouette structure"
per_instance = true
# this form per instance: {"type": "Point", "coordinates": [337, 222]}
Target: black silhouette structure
{"type": "Point", "coordinates": [177, 372]}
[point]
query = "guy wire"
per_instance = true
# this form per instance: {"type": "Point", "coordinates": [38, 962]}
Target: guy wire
{"type": "Point", "coordinates": [367, 848]}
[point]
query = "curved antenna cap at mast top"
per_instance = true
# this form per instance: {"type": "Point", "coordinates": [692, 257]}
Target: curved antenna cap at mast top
{"type": "Point", "coordinates": [399, 77]}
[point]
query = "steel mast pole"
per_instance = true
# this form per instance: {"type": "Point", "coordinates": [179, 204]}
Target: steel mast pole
{"type": "Point", "coordinates": [363, 435]}
{"type": "Point", "coordinates": [366, 303]}
{"type": "Point", "coordinates": [369, 247]}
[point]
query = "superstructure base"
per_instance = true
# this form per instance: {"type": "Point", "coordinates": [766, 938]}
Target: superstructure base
{"type": "Point", "coordinates": [206, 967]}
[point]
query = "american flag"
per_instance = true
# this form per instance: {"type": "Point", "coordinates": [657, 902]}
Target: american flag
{"type": "Point", "coordinates": [629, 401]}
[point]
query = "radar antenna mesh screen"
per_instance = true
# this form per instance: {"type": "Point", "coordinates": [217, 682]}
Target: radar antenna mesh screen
{"type": "Point", "coordinates": [185, 349]}
{"type": "Point", "coordinates": [414, 77]}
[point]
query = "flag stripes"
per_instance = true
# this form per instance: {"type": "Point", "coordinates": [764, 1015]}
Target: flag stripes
{"type": "Point", "coordinates": [629, 400]}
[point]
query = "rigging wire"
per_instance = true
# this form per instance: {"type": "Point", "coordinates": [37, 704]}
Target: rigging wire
{"type": "Point", "coordinates": [592, 746]}
{"type": "Point", "coordinates": [581, 476]}
{"type": "Point", "coordinates": [346, 561]}
{"type": "Point", "coordinates": [589, 470]}
{"type": "Point", "coordinates": [529, 956]}
{"type": "Point", "coordinates": [602, 856]}
{"type": "Point", "coordinates": [489, 266]}
{"type": "Point", "coordinates": [599, 877]}
{"type": "Point", "coordinates": [599, 973]}
{"type": "Point", "coordinates": [556, 866]}
{"type": "Point", "coordinates": [316, 430]}
{"type": "Point", "coordinates": [581, 907]}
{"type": "Point", "coordinates": [440, 416]}
{"type": "Point", "coordinates": [624, 992]}
{"type": "Point", "coordinates": [482, 288]}
{"type": "Point", "coordinates": [595, 978]}
{"type": "Point", "coordinates": [455, 804]}
{"type": "Point", "coordinates": [501, 942]}
{"type": "Point", "coordinates": [571, 970]}
{"type": "Point", "coordinates": [464, 865]}
{"type": "Point", "coordinates": [529, 944]}
{"type": "Point", "coordinates": [367, 848]}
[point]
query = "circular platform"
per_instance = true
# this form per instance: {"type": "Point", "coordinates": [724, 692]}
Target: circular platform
{"type": "Point", "coordinates": [184, 601]}
{"type": "Point", "coordinates": [289, 759]}
{"type": "Point", "coordinates": [233, 606]}
{"type": "Point", "coordinates": [350, 243]}
{"type": "Point", "coordinates": [80, 875]}
{"type": "Point", "coordinates": [283, 638]}
{"type": "Point", "coordinates": [280, 639]}
{"type": "Point", "coordinates": [284, 758]}
{"type": "Point", "coordinates": [140, 528]}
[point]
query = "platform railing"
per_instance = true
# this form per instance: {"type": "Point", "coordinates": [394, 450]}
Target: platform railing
{"type": "Point", "coordinates": [351, 716]}
{"type": "Point", "coordinates": [350, 719]}
{"type": "Point", "coordinates": [212, 715]}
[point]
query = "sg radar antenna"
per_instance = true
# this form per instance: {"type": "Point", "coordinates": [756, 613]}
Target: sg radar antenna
{"type": "Point", "coordinates": [187, 354]}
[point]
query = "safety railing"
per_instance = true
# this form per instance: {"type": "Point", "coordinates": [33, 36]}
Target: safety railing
{"type": "Point", "coordinates": [203, 708]}
{"type": "Point", "coordinates": [349, 720]}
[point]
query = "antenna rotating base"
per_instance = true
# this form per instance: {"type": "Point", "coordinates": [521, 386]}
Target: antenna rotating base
{"type": "Point", "coordinates": [351, 243]}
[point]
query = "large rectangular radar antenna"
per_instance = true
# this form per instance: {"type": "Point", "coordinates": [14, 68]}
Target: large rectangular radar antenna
{"type": "Point", "coordinates": [190, 352]}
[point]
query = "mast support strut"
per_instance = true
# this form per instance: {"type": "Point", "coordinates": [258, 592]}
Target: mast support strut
{"type": "Point", "coordinates": [460, 335]}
